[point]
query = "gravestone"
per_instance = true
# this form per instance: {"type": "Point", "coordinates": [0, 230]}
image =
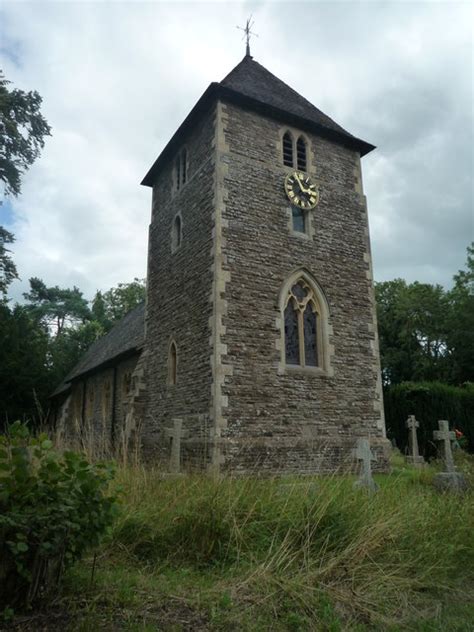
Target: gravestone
{"type": "Point", "coordinates": [413, 458]}
{"type": "Point", "coordinates": [176, 434]}
{"type": "Point", "coordinates": [449, 480]}
{"type": "Point", "coordinates": [364, 454]}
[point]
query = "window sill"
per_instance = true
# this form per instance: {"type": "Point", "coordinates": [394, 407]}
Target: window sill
{"type": "Point", "coordinates": [315, 371]}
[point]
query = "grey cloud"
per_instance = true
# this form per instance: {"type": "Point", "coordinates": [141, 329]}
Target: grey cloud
{"type": "Point", "coordinates": [118, 78]}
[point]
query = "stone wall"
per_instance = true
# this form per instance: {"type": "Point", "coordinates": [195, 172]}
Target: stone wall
{"type": "Point", "coordinates": [274, 419]}
{"type": "Point", "coordinates": [86, 417]}
{"type": "Point", "coordinates": [179, 306]}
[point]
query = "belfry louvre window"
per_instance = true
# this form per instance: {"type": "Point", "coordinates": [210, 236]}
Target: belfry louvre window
{"type": "Point", "coordinates": [288, 150]}
{"type": "Point", "coordinates": [302, 327]}
{"type": "Point", "coordinates": [181, 169]}
{"type": "Point", "coordinates": [301, 153]}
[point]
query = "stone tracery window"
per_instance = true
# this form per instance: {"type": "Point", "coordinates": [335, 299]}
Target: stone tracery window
{"type": "Point", "coordinates": [302, 322]}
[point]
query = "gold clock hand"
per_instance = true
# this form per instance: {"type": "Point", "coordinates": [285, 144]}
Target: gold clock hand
{"type": "Point", "coordinates": [298, 179]}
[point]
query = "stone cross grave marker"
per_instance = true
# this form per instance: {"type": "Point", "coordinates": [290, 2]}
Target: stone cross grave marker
{"type": "Point", "coordinates": [450, 479]}
{"type": "Point", "coordinates": [176, 434]}
{"type": "Point", "coordinates": [414, 457]}
{"type": "Point", "coordinates": [364, 454]}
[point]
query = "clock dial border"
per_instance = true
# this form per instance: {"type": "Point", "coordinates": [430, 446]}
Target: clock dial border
{"type": "Point", "coordinates": [301, 191]}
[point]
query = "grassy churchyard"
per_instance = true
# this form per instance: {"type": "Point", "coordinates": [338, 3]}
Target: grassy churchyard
{"type": "Point", "coordinates": [193, 553]}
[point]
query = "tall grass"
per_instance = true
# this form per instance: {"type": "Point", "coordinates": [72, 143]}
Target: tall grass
{"type": "Point", "coordinates": [292, 542]}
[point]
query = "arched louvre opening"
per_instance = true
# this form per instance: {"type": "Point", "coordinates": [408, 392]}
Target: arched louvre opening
{"type": "Point", "coordinates": [301, 154]}
{"type": "Point", "coordinates": [288, 150]}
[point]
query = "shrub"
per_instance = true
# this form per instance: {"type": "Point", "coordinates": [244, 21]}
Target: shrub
{"type": "Point", "coordinates": [429, 402]}
{"type": "Point", "coordinates": [52, 508]}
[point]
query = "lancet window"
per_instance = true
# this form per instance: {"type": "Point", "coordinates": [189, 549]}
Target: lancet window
{"type": "Point", "coordinates": [295, 152]}
{"type": "Point", "coordinates": [301, 154]}
{"type": "Point", "coordinates": [288, 150]}
{"type": "Point", "coordinates": [176, 233]}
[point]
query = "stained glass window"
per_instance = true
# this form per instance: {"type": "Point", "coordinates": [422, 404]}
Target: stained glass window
{"type": "Point", "coordinates": [302, 326]}
{"type": "Point", "coordinates": [298, 219]}
{"type": "Point", "coordinates": [292, 348]}
{"type": "Point", "coordinates": [310, 339]}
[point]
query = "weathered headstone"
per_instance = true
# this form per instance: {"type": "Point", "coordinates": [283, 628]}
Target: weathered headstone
{"type": "Point", "coordinates": [363, 453]}
{"type": "Point", "coordinates": [449, 479]}
{"type": "Point", "coordinates": [413, 458]}
{"type": "Point", "coordinates": [176, 434]}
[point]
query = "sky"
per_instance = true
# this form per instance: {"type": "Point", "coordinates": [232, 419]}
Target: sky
{"type": "Point", "coordinates": [118, 78]}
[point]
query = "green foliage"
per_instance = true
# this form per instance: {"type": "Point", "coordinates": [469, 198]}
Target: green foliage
{"type": "Point", "coordinates": [461, 322]}
{"type": "Point", "coordinates": [425, 332]}
{"type": "Point", "coordinates": [22, 132]}
{"type": "Point", "coordinates": [429, 402]}
{"type": "Point", "coordinates": [8, 272]}
{"type": "Point", "coordinates": [109, 307]}
{"type": "Point", "coordinates": [53, 507]}
{"type": "Point", "coordinates": [24, 379]}
{"type": "Point", "coordinates": [55, 306]}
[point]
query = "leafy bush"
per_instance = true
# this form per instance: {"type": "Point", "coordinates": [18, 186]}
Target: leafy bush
{"type": "Point", "coordinates": [52, 508]}
{"type": "Point", "coordinates": [429, 402]}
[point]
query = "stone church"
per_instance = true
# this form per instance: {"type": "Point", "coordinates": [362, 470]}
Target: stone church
{"type": "Point", "coordinates": [256, 350]}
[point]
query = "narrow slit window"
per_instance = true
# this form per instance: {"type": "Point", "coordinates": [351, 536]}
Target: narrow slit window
{"type": "Point", "coordinates": [301, 153]}
{"type": "Point", "coordinates": [178, 173]}
{"type": "Point", "coordinates": [172, 364]}
{"type": "Point", "coordinates": [176, 231]}
{"type": "Point", "coordinates": [183, 167]}
{"type": "Point", "coordinates": [287, 150]}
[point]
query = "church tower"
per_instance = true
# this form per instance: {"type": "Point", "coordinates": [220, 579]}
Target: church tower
{"type": "Point", "coordinates": [261, 339]}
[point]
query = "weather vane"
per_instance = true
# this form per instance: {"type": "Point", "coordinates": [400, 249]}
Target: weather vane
{"type": "Point", "coordinates": [247, 34]}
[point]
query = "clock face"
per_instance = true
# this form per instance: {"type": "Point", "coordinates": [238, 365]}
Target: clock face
{"type": "Point", "coordinates": [301, 191]}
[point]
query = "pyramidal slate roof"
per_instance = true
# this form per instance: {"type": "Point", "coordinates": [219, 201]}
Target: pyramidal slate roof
{"type": "Point", "coordinates": [126, 337]}
{"type": "Point", "coordinates": [253, 80]}
{"type": "Point", "coordinates": [253, 87]}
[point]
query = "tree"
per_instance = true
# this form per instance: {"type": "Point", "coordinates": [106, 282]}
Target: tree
{"type": "Point", "coordinates": [57, 307]}
{"type": "Point", "coordinates": [109, 307]}
{"type": "Point", "coordinates": [413, 331]}
{"type": "Point", "coordinates": [24, 375]}
{"type": "Point", "coordinates": [8, 270]}
{"type": "Point", "coordinates": [22, 132]}
{"type": "Point", "coordinates": [461, 321]}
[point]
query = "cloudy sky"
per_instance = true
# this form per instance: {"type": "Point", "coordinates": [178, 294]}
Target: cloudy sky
{"type": "Point", "coordinates": [117, 78]}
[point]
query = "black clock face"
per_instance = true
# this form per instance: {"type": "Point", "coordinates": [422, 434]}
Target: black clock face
{"type": "Point", "coordinates": [301, 191]}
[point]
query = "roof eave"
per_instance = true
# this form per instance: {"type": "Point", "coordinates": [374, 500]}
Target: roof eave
{"type": "Point", "coordinates": [217, 91]}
